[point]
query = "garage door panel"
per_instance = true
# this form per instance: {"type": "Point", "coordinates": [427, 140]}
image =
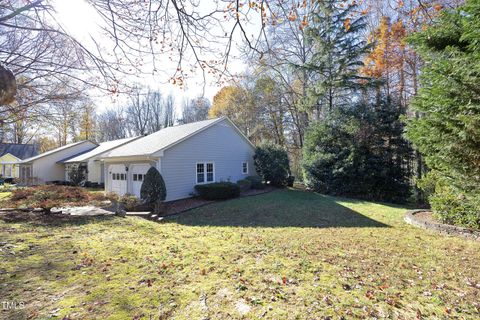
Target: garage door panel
{"type": "Point", "coordinates": [138, 172]}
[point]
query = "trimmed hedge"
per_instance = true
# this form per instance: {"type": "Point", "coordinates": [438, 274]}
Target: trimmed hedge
{"type": "Point", "coordinates": [244, 184]}
{"type": "Point", "coordinates": [256, 181]}
{"type": "Point", "coordinates": [218, 190]}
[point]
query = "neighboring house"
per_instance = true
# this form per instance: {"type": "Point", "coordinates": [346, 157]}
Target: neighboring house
{"type": "Point", "coordinates": [49, 166]}
{"type": "Point", "coordinates": [11, 154]}
{"type": "Point", "coordinates": [90, 161]}
{"type": "Point", "coordinates": [186, 155]}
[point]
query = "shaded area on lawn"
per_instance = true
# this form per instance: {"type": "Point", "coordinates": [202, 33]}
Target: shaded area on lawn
{"type": "Point", "coordinates": [50, 220]}
{"type": "Point", "coordinates": [287, 208]}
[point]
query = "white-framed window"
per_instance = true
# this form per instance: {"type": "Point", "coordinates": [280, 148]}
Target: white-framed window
{"type": "Point", "coordinates": [245, 167]}
{"type": "Point", "coordinates": [138, 177]}
{"type": "Point", "coordinates": [205, 172]}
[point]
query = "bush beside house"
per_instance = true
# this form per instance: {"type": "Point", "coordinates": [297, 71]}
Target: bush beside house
{"type": "Point", "coordinates": [256, 181]}
{"type": "Point", "coordinates": [218, 190]}
{"type": "Point", "coordinates": [271, 163]}
{"type": "Point", "coordinates": [153, 190]}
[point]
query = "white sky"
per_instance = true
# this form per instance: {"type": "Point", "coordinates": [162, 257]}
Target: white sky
{"type": "Point", "coordinates": [79, 19]}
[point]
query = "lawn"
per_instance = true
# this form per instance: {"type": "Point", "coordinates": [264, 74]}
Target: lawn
{"type": "Point", "coordinates": [283, 255]}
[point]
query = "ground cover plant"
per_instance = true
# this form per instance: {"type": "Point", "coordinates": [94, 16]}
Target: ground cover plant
{"type": "Point", "coordinates": [47, 197]}
{"type": "Point", "coordinates": [286, 254]}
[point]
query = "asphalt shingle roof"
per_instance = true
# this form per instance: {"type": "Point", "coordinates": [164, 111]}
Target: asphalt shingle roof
{"type": "Point", "coordinates": [160, 140]}
{"type": "Point", "coordinates": [53, 151]}
{"type": "Point", "coordinates": [21, 151]}
{"type": "Point", "coordinates": [102, 147]}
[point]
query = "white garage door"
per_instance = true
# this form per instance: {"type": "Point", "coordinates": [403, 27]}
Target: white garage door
{"type": "Point", "coordinates": [118, 179]}
{"type": "Point", "coordinates": [138, 172]}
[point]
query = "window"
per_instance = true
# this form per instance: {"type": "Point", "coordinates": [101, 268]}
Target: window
{"type": "Point", "coordinates": [209, 172]}
{"type": "Point", "coordinates": [205, 172]}
{"type": "Point", "coordinates": [245, 167]}
{"type": "Point", "coordinates": [200, 172]}
{"type": "Point", "coordinates": [138, 177]}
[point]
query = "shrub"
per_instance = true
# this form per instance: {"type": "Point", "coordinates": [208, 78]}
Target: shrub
{"type": "Point", "coordinates": [290, 181]}
{"type": "Point", "coordinates": [455, 208]}
{"type": "Point", "coordinates": [153, 188]}
{"type": "Point", "coordinates": [77, 174]}
{"type": "Point", "coordinates": [450, 205]}
{"type": "Point", "coordinates": [129, 202]}
{"type": "Point", "coordinates": [244, 185]}
{"type": "Point", "coordinates": [48, 196]}
{"type": "Point", "coordinates": [271, 163]}
{"type": "Point", "coordinates": [256, 182]}
{"type": "Point", "coordinates": [218, 190]}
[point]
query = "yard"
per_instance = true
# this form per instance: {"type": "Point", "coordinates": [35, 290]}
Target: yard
{"type": "Point", "coordinates": [282, 255]}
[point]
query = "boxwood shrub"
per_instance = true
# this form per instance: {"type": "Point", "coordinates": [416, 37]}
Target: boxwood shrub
{"type": "Point", "coordinates": [218, 190]}
{"type": "Point", "coordinates": [256, 182]}
{"type": "Point", "coordinates": [244, 184]}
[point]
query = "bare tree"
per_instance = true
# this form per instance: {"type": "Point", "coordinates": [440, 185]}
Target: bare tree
{"type": "Point", "coordinates": [112, 125]}
{"type": "Point", "coordinates": [195, 110]}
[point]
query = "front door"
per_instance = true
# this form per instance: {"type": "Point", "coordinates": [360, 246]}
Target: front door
{"type": "Point", "coordinates": [118, 179]}
{"type": "Point", "coordinates": [138, 172]}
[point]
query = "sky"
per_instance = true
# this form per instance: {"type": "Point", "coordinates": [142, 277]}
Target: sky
{"type": "Point", "coordinates": [80, 20]}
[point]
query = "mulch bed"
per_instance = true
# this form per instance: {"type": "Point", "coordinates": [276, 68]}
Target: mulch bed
{"type": "Point", "coordinates": [182, 205]}
{"type": "Point", "coordinates": [426, 219]}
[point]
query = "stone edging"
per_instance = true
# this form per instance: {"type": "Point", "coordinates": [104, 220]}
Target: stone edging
{"type": "Point", "coordinates": [445, 229]}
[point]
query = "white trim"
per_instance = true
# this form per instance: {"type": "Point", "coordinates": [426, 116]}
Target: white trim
{"type": "Point", "coordinates": [245, 162]}
{"type": "Point", "coordinates": [8, 153]}
{"type": "Point", "coordinates": [204, 172]}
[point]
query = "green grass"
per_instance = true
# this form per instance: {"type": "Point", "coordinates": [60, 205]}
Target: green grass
{"type": "Point", "coordinates": [282, 255]}
{"type": "Point", "coordinates": [5, 195]}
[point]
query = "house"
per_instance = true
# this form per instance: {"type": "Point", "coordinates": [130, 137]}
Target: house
{"type": "Point", "coordinates": [49, 166]}
{"type": "Point", "coordinates": [186, 155]}
{"type": "Point", "coordinates": [11, 154]}
{"type": "Point", "coordinates": [90, 161]}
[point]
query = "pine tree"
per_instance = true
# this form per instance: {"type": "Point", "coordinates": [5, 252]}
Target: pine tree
{"type": "Point", "coordinates": [153, 190]}
{"type": "Point", "coordinates": [335, 31]}
{"type": "Point", "coordinates": [359, 151]}
{"type": "Point", "coordinates": [448, 133]}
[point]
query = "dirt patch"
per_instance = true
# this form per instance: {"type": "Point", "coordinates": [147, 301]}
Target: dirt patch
{"type": "Point", "coordinates": [426, 220]}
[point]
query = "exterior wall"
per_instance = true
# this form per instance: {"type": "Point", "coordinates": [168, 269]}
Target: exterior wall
{"type": "Point", "coordinates": [47, 169]}
{"type": "Point", "coordinates": [8, 159]}
{"type": "Point", "coordinates": [220, 144]}
{"type": "Point", "coordinates": [94, 171]}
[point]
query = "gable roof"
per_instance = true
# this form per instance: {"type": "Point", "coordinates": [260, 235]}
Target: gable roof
{"type": "Point", "coordinates": [67, 146]}
{"type": "Point", "coordinates": [19, 150]}
{"type": "Point", "coordinates": [163, 139]}
{"type": "Point", "coordinates": [102, 147]}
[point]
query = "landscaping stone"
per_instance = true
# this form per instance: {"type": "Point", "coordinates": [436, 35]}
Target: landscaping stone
{"type": "Point", "coordinates": [423, 219]}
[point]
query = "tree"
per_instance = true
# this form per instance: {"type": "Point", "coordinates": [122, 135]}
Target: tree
{"type": "Point", "coordinates": [271, 163]}
{"type": "Point", "coordinates": [153, 190]}
{"type": "Point", "coordinates": [336, 35]}
{"type": "Point", "coordinates": [195, 110]}
{"type": "Point", "coordinates": [359, 151]}
{"type": "Point", "coordinates": [448, 132]}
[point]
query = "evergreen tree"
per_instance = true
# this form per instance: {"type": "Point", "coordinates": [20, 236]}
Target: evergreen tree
{"type": "Point", "coordinates": [153, 190]}
{"type": "Point", "coordinates": [359, 151]}
{"type": "Point", "coordinates": [335, 33]}
{"type": "Point", "coordinates": [448, 132]}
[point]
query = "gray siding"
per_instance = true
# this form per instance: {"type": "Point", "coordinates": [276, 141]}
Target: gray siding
{"type": "Point", "coordinates": [221, 144]}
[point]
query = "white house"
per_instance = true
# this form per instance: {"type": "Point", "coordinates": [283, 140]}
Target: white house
{"type": "Point", "coordinates": [90, 161]}
{"type": "Point", "coordinates": [186, 155]}
{"type": "Point", "coordinates": [49, 166]}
